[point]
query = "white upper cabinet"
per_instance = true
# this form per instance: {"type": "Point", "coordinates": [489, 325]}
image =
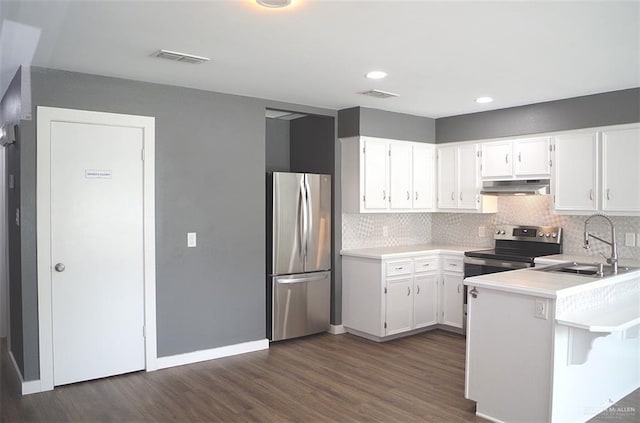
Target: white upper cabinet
{"type": "Point", "coordinates": [374, 181]}
{"type": "Point", "coordinates": [381, 175]}
{"type": "Point", "coordinates": [621, 170]}
{"type": "Point", "coordinates": [400, 175]}
{"type": "Point", "coordinates": [424, 176]}
{"type": "Point", "coordinates": [447, 177]}
{"type": "Point", "coordinates": [575, 177]}
{"type": "Point", "coordinates": [497, 159]}
{"type": "Point", "coordinates": [597, 171]}
{"type": "Point", "coordinates": [459, 180]}
{"type": "Point", "coordinates": [525, 158]}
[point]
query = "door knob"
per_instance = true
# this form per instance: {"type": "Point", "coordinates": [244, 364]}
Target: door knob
{"type": "Point", "coordinates": [59, 267]}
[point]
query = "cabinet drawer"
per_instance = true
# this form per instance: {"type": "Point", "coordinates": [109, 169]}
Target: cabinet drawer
{"type": "Point", "coordinates": [453, 264]}
{"type": "Point", "coordinates": [400, 267]}
{"type": "Point", "coordinates": [426, 264]}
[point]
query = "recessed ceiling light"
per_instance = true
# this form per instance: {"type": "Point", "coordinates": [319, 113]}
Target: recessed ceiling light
{"type": "Point", "coordinates": [376, 75]}
{"type": "Point", "coordinates": [483, 100]}
{"type": "Point", "coordinates": [274, 3]}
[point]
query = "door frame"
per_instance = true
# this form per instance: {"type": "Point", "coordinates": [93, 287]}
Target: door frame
{"type": "Point", "coordinates": [45, 116]}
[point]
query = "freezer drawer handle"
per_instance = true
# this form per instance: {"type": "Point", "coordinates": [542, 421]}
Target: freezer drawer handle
{"type": "Point", "coordinates": [301, 280]}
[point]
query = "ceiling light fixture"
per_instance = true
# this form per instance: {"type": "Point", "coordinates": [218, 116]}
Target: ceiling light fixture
{"type": "Point", "coordinates": [483, 100]}
{"type": "Point", "coordinates": [274, 3]}
{"type": "Point", "coordinates": [376, 75]}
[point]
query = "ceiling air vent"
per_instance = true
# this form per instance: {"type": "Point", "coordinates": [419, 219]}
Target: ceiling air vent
{"type": "Point", "coordinates": [379, 94]}
{"type": "Point", "coordinates": [180, 57]}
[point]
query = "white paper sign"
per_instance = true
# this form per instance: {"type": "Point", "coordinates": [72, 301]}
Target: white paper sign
{"type": "Point", "coordinates": [97, 174]}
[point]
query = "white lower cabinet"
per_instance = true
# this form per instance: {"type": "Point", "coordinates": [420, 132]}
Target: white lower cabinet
{"type": "Point", "coordinates": [451, 313]}
{"type": "Point", "coordinates": [425, 299]}
{"type": "Point", "coordinates": [385, 298]}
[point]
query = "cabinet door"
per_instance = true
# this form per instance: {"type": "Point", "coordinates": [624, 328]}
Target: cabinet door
{"type": "Point", "coordinates": [447, 178]}
{"type": "Point", "coordinates": [531, 157]}
{"type": "Point", "coordinates": [399, 305]}
{"type": "Point", "coordinates": [497, 159]}
{"type": "Point", "coordinates": [575, 172]}
{"type": "Point", "coordinates": [375, 175]}
{"type": "Point", "coordinates": [468, 180]}
{"type": "Point", "coordinates": [452, 289]}
{"type": "Point", "coordinates": [425, 300]}
{"type": "Point", "coordinates": [400, 175]}
{"type": "Point", "coordinates": [423, 177]}
{"type": "Point", "coordinates": [621, 170]}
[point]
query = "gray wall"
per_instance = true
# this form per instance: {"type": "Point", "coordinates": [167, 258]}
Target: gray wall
{"type": "Point", "coordinates": [210, 163]}
{"type": "Point", "coordinates": [313, 150]}
{"type": "Point", "coordinates": [277, 145]}
{"type": "Point", "coordinates": [380, 123]}
{"type": "Point", "coordinates": [612, 108]}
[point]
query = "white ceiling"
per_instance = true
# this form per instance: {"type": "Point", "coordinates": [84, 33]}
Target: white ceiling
{"type": "Point", "coordinates": [439, 56]}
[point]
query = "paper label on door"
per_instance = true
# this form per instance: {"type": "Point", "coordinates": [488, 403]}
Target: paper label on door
{"type": "Point", "coordinates": [97, 174]}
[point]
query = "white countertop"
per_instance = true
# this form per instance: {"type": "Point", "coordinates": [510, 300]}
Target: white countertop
{"type": "Point", "coordinates": [406, 251]}
{"type": "Point", "coordinates": [544, 284]}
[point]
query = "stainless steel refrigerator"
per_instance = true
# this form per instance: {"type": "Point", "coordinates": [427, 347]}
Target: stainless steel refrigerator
{"type": "Point", "coordinates": [299, 254]}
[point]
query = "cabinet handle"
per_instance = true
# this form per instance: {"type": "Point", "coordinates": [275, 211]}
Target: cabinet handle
{"type": "Point", "coordinates": [399, 268]}
{"type": "Point", "coordinates": [460, 196]}
{"type": "Point", "coordinates": [384, 194]}
{"type": "Point", "coordinates": [453, 196]}
{"type": "Point", "coordinates": [408, 195]}
{"type": "Point", "coordinates": [458, 288]}
{"type": "Point", "coordinates": [474, 292]}
{"type": "Point", "coordinates": [520, 156]}
{"type": "Point", "coordinates": [418, 290]}
{"type": "Point", "coordinates": [453, 265]}
{"type": "Point", "coordinates": [408, 291]}
{"type": "Point", "coordinates": [591, 194]}
{"type": "Point", "coordinates": [608, 192]}
{"type": "Point", "coordinates": [506, 158]}
{"type": "Point", "coordinates": [416, 195]}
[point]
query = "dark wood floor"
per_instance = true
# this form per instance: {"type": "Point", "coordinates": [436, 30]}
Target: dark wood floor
{"type": "Point", "coordinates": [316, 379]}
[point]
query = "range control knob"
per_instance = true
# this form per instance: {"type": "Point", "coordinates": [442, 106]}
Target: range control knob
{"type": "Point", "coordinates": [502, 232]}
{"type": "Point", "coordinates": [497, 232]}
{"type": "Point", "coordinates": [554, 235]}
{"type": "Point", "coordinates": [540, 234]}
{"type": "Point", "coordinates": [547, 235]}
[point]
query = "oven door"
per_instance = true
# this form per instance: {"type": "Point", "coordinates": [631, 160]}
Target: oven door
{"type": "Point", "coordinates": [474, 266]}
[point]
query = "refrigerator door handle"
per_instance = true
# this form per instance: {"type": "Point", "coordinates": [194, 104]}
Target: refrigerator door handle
{"type": "Point", "coordinates": [305, 217]}
{"type": "Point", "coordinates": [302, 280]}
{"type": "Point", "coordinates": [302, 236]}
{"type": "Point", "coordinates": [309, 219]}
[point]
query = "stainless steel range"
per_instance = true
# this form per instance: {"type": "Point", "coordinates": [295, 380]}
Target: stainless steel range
{"type": "Point", "coordinates": [516, 247]}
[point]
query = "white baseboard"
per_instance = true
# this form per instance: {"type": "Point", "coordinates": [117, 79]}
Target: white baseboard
{"type": "Point", "coordinates": [28, 387]}
{"type": "Point", "coordinates": [211, 354]}
{"type": "Point", "coordinates": [336, 329]}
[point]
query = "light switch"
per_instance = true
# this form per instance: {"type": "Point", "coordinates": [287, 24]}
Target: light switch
{"type": "Point", "coordinates": [191, 239]}
{"type": "Point", "coordinates": [630, 239]}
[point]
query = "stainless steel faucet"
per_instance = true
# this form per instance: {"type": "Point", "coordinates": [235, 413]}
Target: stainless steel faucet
{"type": "Point", "coordinates": [613, 260]}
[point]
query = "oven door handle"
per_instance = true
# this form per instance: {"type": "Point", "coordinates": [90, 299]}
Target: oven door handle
{"type": "Point", "coordinates": [496, 263]}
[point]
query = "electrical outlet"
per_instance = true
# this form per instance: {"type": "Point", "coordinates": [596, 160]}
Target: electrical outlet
{"type": "Point", "coordinates": [482, 231]}
{"type": "Point", "coordinates": [191, 239]}
{"type": "Point", "coordinates": [385, 231]}
{"type": "Point", "coordinates": [630, 239]}
{"type": "Point", "coordinates": [542, 306]}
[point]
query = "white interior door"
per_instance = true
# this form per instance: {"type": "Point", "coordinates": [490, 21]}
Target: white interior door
{"type": "Point", "coordinates": [97, 250]}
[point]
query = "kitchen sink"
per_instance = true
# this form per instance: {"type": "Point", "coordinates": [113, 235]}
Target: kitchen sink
{"type": "Point", "coordinates": [585, 269]}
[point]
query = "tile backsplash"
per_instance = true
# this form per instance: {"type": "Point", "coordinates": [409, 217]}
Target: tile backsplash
{"type": "Point", "coordinates": [381, 230]}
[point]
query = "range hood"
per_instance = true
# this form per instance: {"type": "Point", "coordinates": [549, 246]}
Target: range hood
{"type": "Point", "coordinates": [522, 187]}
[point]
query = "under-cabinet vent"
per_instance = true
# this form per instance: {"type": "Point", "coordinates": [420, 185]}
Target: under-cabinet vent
{"type": "Point", "coordinates": [180, 57]}
{"type": "Point", "coordinates": [379, 94]}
